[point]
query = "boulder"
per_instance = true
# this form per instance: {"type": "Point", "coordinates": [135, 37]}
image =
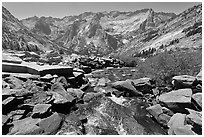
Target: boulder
{"type": "Point", "coordinates": [103, 116]}
{"type": "Point", "coordinates": [5, 85]}
{"type": "Point", "coordinates": [33, 68]}
{"type": "Point", "coordinates": [14, 83]}
{"type": "Point", "coordinates": [26, 126]}
{"type": "Point", "coordinates": [195, 116]}
{"type": "Point", "coordinates": [5, 119]}
{"type": "Point", "coordinates": [16, 92]}
{"type": "Point", "coordinates": [39, 96]}
{"type": "Point", "coordinates": [17, 114]}
{"type": "Point", "coordinates": [142, 82]}
{"type": "Point", "coordinates": [51, 124]}
{"type": "Point", "coordinates": [176, 99]}
{"type": "Point", "coordinates": [86, 69]}
{"type": "Point", "coordinates": [88, 96]}
{"type": "Point", "coordinates": [133, 70]}
{"type": "Point", "coordinates": [9, 102]}
{"type": "Point", "coordinates": [47, 77]}
{"type": "Point", "coordinates": [22, 76]}
{"type": "Point", "coordinates": [58, 88]}
{"type": "Point", "coordinates": [11, 58]}
{"type": "Point", "coordinates": [103, 82]}
{"type": "Point", "coordinates": [126, 86]}
{"type": "Point", "coordinates": [18, 68]}
{"type": "Point", "coordinates": [77, 93]}
{"type": "Point", "coordinates": [177, 125]}
{"type": "Point", "coordinates": [184, 130]}
{"type": "Point", "coordinates": [78, 70]}
{"type": "Point", "coordinates": [55, 69]}
{"type": "Point", "coordinates": [78, 74]}
{"type": "Point", "coordinates": [63, 81]}
{"type": "Point", "coordinates": [41, 110]}
{"type": "Point", "coordinates": [197, 97]}
{"type": "Point", "coordinates": [144, 85]}
{"type": "Point", "coordinates": [199, 76]}
{"type": "Point", "coordinates": [183, 81]}
{"type": "Point", "coordinates": [72, 125]}
{"type": "Point", "coordinates": [60, 99]}
{"type": "Point", "coordinates": [92, 81]}
{"type": "Point", "coordinates": [157, 112]}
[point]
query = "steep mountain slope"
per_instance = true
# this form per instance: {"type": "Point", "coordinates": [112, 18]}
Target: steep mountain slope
{"type": "Point", "coordinates": [97, 33]}
{"type": "Point", "coordinates": [181, 32]}
{"type": "Point", "coordinates": [16, 36]}
{"type": "Point", "coordinates": [140, 33]}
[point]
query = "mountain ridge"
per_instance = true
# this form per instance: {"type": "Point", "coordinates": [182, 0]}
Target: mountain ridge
{"type": "Point", "coordinates": [104, 33]}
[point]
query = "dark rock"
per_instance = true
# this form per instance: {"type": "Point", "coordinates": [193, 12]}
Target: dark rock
{"type": "Point", "coordinates": [197, 88]}
{"type": "Point", "coordinates": [26, 126]}
{"type": "Point", "coordinates": [195, 117]}
{"type": "Point", "coordinates": [26, 106]}
{"type": "Point", "coordinates": [157, 112]}
{"type": "Point", "coordinates": [86, 69]}
{"type": "Point", "coordinates": [85, 87]}
{"type": "Point", "coordinates": [9, 102]}
{"type": "Point", "coordinates": [126, 86]}
{"type": "Point", "coordinates": [199, 76]}
{"type": "Point", "coordinates": [55, 69]}
{"type": "Point", "coordinates": [41, 110]}
{"type": "Point", "coordinates": [183, 81]}
{"type": "Point", "coordinates": [144, 85]}
{"type": "Point", "coordinates": [51, 124]}
{"type": "Point", "coordinates": [19, 68]}
{"type": "Point", "coordinates": [198, 99]}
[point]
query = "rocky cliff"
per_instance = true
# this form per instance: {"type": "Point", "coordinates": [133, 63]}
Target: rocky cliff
{"type": "Point", "coordinates": [140, 33]}
{"type": "Point", "coordinates": [96, 33]}
{"type": "Point", "coordinates": [16, 36]}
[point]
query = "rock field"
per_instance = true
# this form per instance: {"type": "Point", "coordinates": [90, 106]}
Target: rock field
{"type": "Point", "coordinates": [93, 96]}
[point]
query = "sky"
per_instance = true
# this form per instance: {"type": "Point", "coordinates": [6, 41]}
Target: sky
{"type": "Point", "coordinates": [22, 10]}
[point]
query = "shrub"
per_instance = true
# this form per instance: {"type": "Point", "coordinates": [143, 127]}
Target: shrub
{"type": "Point", "coordinates": [128, 60]}
{"type": "Point", "coordinates": [164, 66]}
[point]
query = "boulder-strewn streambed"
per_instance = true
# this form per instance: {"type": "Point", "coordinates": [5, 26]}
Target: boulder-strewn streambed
{"type": "Point", "coordinates": [63, 99]}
